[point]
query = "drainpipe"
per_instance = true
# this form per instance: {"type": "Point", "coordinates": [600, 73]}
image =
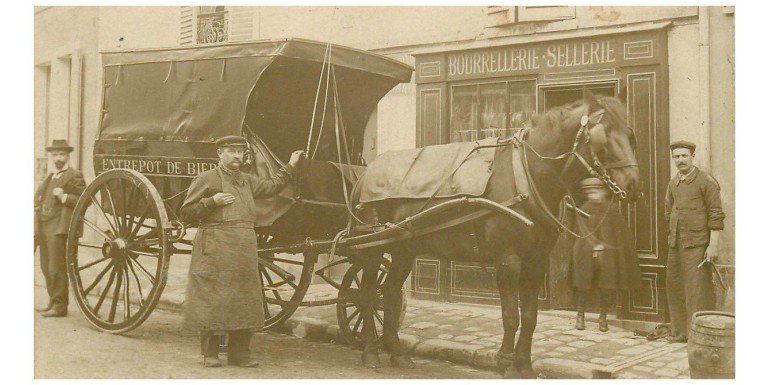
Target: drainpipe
{"type": "Point", "coordinates": [704, 88]}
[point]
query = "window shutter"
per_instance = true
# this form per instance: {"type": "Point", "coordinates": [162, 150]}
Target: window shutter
{"type": "Point", "coordinates": [545, 13]}
{"type": "Point", "coordinates": [498, 16]}
{"type": "Point", "coordinates": [241, 23]}
{"type": "Point", "coordinates": [187, 25]}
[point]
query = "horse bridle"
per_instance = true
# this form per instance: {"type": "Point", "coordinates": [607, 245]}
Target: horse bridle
{"type": "Point", "coordinates": [597, 169]}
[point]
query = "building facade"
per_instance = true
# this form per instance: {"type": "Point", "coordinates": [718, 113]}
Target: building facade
{"type": "Point", "coordinates": [479, 72]}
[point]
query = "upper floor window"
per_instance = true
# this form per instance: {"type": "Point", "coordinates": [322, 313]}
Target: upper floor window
{"type": "Point", "coordinates": [213, 26]}
{"type": "Point", "coordinates": [498, 16]}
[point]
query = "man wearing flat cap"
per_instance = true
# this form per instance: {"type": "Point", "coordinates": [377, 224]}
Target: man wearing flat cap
{"type": "Point", "coordinates": [224, 292]}
{"type": "Point", "coordinates": [55, 200]}
{"type": "Point", "coordinates": [695, 220]}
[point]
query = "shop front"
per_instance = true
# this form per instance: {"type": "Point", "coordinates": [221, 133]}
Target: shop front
{"type": "Point", "coordinates": [470, 93]}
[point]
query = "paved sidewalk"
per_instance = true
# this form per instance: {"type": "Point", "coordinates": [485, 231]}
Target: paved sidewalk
{"type": "Point", "coordinates": [471, 334]}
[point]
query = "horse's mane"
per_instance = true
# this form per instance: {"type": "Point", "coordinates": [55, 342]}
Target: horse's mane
{"type": "Point", "coordinates": [552, 123]}
{"type": "Point", "coordinates": [616, 111]}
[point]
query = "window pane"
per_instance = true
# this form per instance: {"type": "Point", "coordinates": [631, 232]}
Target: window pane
{"type": "Point", "coordinates": [464, 114]}
{"type": "Point", "coordinates": [522, 105]}
{"type": "Point", "coordinates": [494, 109]}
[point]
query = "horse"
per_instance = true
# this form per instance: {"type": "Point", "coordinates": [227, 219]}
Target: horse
{"type": "Point", "coordinates": [562, 145]}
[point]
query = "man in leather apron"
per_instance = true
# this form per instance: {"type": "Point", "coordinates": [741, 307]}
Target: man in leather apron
{"type": "Point", "coordinates": [224, 292]}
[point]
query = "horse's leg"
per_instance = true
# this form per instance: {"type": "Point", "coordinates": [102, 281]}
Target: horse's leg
{"type": "Point", "coordinates": [532, 276]}
{"type": "Point", "coordinates": [400, 268]}
{"type": "Point", "coordinates": [371, 265]}
{"type": "Point", "coordinates": [507, 273]}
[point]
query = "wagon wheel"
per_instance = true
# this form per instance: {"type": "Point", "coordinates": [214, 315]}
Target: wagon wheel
{"type": "Point", "coordinates": [350, 304]}
{"type": "Point", "coordinates": [118, 250]}
{"type": "Point", "coordinates": [285, 280]}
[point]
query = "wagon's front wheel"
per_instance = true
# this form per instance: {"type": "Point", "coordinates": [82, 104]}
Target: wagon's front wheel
{"type": "Point", "coordinates": [351, 304]}
{"type": "Point", "coordinates": [285, 280]}
{"type": "Point", "coordinates": [118, 250]}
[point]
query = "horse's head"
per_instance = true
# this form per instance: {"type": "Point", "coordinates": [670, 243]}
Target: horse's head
{"type": "Point", "coordinates": [607, 143]}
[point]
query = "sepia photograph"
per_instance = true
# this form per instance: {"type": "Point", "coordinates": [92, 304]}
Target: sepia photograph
{"type": "Point", "coordinates": [329, 191]}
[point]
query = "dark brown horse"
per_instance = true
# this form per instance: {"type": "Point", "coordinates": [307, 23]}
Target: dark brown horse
{"type": "Point", "coordinates": [563, 145]}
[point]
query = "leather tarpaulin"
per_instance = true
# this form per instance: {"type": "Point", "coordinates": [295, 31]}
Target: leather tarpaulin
{"type": "Point", "coordinates": [455, 169]}
{"type": "Point", "coordinates": [201, 93]}
{"type": "Point", "coordinates": [188, 100]}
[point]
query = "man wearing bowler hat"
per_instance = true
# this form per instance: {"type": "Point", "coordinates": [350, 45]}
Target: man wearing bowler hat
{"type": "Point", "coordinates": [224, 292]}
{"type": "Point", "coordinates": [695, 220]}
{"type": "Point", "coordinates": [54, 202]}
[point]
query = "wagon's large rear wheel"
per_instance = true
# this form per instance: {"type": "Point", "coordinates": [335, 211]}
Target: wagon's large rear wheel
{"type": "Point", "coordinates": [285, 280]}
{"type": "Point", "coordinates": [118, 250]}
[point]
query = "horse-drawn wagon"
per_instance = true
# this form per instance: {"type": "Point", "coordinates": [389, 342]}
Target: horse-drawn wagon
{"type": "Point", "coordinates": [492, 200]}
{"type": "Point", "coordinates": [163, 109]}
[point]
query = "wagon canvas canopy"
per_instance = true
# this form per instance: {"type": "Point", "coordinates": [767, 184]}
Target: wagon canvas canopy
{"type": "Point", "coordinates": [198, 94]}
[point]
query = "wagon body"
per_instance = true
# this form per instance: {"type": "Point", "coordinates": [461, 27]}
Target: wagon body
{"type": "Point", "coordinates": [163, 109]}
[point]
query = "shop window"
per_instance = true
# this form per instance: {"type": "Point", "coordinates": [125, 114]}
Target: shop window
{"type": "Point", "coordinates": [213, 26]}
{"type": "Point", "coordinates": [490, 110]}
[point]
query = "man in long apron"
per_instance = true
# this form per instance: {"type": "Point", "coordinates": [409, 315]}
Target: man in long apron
{"type": "Point", "coordinates": [224, 292]}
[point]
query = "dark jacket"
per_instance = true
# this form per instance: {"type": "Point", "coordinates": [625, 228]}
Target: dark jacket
{"type": "Point", "coordinates": [73, 184]}
{"type": "Point", "coordinates": [693, 209]}
{"type": "Point", "coordinates": [607, 259]}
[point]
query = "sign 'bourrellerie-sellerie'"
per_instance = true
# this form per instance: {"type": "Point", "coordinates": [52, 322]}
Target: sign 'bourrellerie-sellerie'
{"type": "Point", "coordinates": [514, 59]}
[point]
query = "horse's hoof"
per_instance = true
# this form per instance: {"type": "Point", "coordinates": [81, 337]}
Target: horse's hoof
{"type": "Point", "coordinates": [371, 360]}
{"type": "Point", "coordinates": [401, 361]}
{"type": "Point", "coordinates": [511, 373]}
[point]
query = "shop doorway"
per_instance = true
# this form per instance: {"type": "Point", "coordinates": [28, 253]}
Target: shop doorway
{"type": "Point", "coordinates": [557, 292]}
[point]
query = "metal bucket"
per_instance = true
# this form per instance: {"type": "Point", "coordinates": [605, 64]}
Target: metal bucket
{"type": "Point", "coordinates": [711, 345]}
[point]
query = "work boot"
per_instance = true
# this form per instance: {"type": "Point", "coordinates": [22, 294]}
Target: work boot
{"type": "Point", "coordinates": [44, 309]}
{"type": "Point", "coordinates": [238, 351]}
{"type": "Point", "coordinates": [55, 312]}
{"type": "Point", "coordinates": [603, 327]}
{"type": "Point", "coordinates": [210, 350]}
{"type": "Point", "coordinates": [580, 322]}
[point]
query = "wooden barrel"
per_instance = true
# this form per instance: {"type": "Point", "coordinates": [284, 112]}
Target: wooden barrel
{"type": "Point", "coordinates": [711, 345]}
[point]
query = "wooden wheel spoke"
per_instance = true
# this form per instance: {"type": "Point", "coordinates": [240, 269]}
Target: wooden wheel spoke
{"type": "Point", "coordinates": [353, 315]}
{"type": "Point", "coordinates": [144, 253]}
{"type": "Point", "coordinates": [98, 205]}
{"type": "Point", "coordinates": [104, 293]}
{"type": "Point", "coordinates": [126, 300]}
{"type": "Point", "coordinates": [143, 270]}
{"type": "Point", "coordinates": [97, 229]}
{"type": "Point", "coordinates": [115, 295]}
{"type": "Point", "coordinates": [106, 188]}
{"type": "Point", "coordinates": [143, 237]}
{"type": "Point", "coordinates": [271, 283]}
{"type": "Point", "coordinates": [289, 261]}
{"type": "Point", "coordinates": [140, 222]}
{"type": "Point", "coordinates": [86, 266]}
{"type": "Point", "coordinates": [358, 281]}
{"type": "Point", "coordinates": [93, 246]}
{"type": "Point", "coordinates": [358, 323]}
{"type": "Point", "coordinates": [378, 316]}
{"type": "Point", "coordinates": [130, 218]}
{"type": "Point", "coordinates": [266, 309]}
{"type": "Point", "coordinates": [97, 279]}
{"type": "Point", "coordinates": [138, 284]}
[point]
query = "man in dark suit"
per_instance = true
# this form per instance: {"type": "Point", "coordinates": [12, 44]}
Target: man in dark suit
{"type": "Point", "coordinates": [54, 201]}
{"type": "Point", "coordinates": [695, 222]}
